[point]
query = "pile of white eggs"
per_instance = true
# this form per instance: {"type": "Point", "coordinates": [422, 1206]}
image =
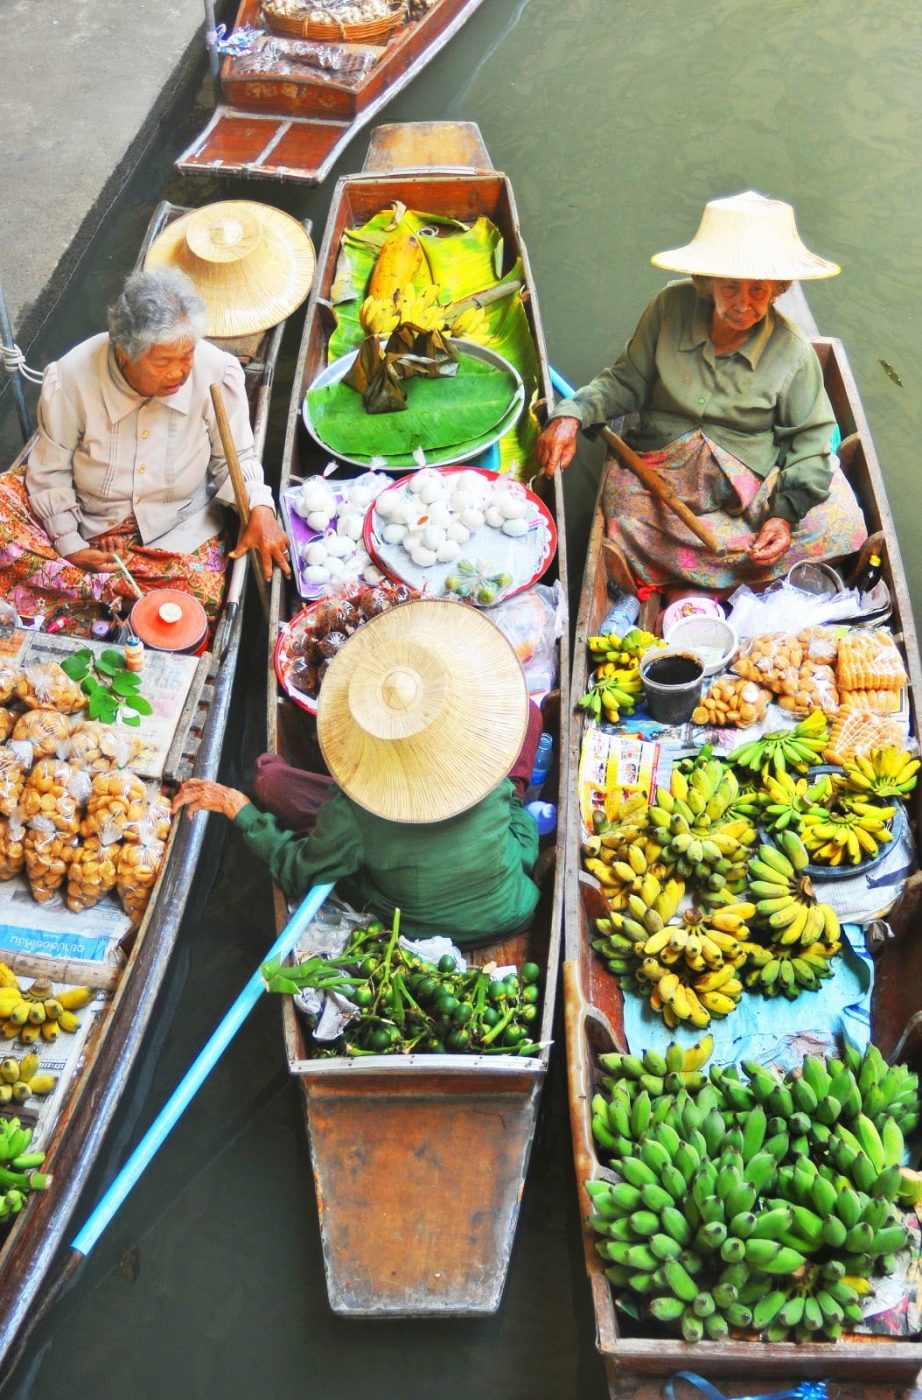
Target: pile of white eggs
{"type": "Point", "coordinates": [337, 556]}
{"type": "Point", "coordinates": [437, 513]}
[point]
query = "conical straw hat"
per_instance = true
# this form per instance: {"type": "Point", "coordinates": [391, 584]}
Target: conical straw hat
{"type": "Point", "coordinates": [251, 264]}
{"type": "Point", "coordinates": [747, 236]}
{"type": "Point", "coordinates": [423, 711]}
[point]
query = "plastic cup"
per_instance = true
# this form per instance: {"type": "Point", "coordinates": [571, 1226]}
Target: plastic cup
{"type": "Point", "coordinates": [672, 681]}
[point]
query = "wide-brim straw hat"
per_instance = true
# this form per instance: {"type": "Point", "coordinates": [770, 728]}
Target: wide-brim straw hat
{"type": "Point", "coordinates": [747, 236]}
{"type": "Point", "coordinates": [423, 711]}
{"type": "Point", "coordinates": [251, 264]}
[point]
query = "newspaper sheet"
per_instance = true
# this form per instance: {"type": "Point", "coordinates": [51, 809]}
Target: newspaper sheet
{"type": "Point", "coordinates": [62, 1058]}
{"type": "Point", "coordinates": [53, 930]}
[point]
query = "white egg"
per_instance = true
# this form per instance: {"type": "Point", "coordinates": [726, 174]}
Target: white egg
{"type": "Point", "coordinates": [515, 527]}
{"type": "Point", "coordinates": [319, 520]}
{"type": "Point", "coordinates": [447, 551]}
{"type": "Point", "coordinates": [440, 514]}
{"type": "Point", "coordinates": [433, 536]}
{"type": "Point", "coordinates": [350, 524]}
{"type": "Point", "coordinates": [393, 534]}
{"type": "Point", "coordinates": [371, 574]}
{"type": "Point", "coordinates": [314, 553]}
{"type": "Point", "coordinates": [472, 518]}
{"type": "Point", "coordinates": [458, 532]}
{"type": "Point", "coordinates": [494, 517]}
{"type": "Point", "coordinates": [316, 574]}
{"type": "Point", "coordinates": [412, 540]}
{"type": "Point", "coordinates": [340, 546]}
{"type": "Point", "coordinates": [423, 557]}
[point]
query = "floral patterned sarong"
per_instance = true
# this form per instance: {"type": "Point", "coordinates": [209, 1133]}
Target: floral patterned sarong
{"type": "Point", "coordinates": [733, 502]}
{"type": "Point", "coordinates": [35, 579]}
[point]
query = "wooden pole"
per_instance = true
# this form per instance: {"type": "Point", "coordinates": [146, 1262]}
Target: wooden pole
{"type": "Point", "coordinates": [240, 489]}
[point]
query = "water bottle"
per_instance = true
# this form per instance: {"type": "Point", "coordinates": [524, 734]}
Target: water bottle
{"type": "Point", "coordinates": [544, 756]}
{"type": "Point", "coordinates": [545, 815]}
{"type": "Point", "coordinates": [622, 615]}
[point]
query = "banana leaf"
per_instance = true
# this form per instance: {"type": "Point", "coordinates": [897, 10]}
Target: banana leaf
{"type": "Point", "coordinates": [409, 352]}
{"type": "Point", "coordinates": [440, 413]}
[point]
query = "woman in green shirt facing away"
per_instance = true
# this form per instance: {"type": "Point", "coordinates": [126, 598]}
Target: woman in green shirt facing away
{"type": "Point", "coordinates": [421, 717]}
{"type": "Point", "coordinates": [732, 410]}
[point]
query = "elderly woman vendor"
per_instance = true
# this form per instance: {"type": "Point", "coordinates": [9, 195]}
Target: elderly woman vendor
{"type": "Point", "coordinates": [129, 461]}
{"type": "Point", "coordinates": [425, 724]}
{"type": "Point", "coordinates": [732, 410]}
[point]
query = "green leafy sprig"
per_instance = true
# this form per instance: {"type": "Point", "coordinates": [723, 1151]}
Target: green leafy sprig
{"type": "Point", "coordinates": [112, 690]}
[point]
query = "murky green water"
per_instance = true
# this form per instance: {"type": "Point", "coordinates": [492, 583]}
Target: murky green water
{"type": "Point", "coordinates": [616, 122]}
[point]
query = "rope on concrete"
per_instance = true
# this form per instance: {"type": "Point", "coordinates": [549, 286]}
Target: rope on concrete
{"type": "Point", "coordinates": [14, 362]}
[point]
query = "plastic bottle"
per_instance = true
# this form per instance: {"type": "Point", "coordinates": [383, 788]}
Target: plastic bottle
{"type": "Point", "coordinates": [545, 815]}
{"type": "Point", "coordinates": [134, 654]}
{"type": "Point", "coordinates": [544, 756]}
{"type": "Point", "coordinates": [622, 615]}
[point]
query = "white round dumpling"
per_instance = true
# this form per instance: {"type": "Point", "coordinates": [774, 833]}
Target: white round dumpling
{"type": "Point", "coordinates": [385, 504]}
{"type": "Point", "coordinates": [471, 518]}
{"type": "Point", "coordinates": [494, 517]}
{"type": "Point", "coordinates": [433, 536]}
{"type": "Point", "coordinates": [477, 485]}
{"type": "Point", "coordinates": [314, 553]}
{"type": "Point", "coordinates": [401, 512]}
{"type": "Point", "coordinates": [337, 568]}
{"type": "Point", "coordinates": [339, 546]}
{"type": "Point", "coordinates": [319, 520]}
{"type": "Point", "coordinates": [423, 478]}
{"type": "Point", "coordinates": [371, 573]}
{"type": "Point", "coordinates": [431, 491]}
{"type": "Point", "coordinates": [423, 557]}
{"type": "Point", "coordinates": [350, 524]}
{"type": "Point", "coordinates": [361, 492]}
{"type": "Point", "coordinates": [462, 500]}
{"type": "Point", "coordinates": [457, 532]}
{"type": "Point", "coordinates": [515, 527]}
{"type": "Point", "coordinates": [447, 551]}
{"type": "Point", "coordinates": [316, 575]}
{"type": "Point", "coordinates": [317, 494]}
{"type": "Point", "coordinates": [412, 540]}
{"type": "Point", "coordinates": [393, 533]}
{"type": "Point", "coordinates": [439, 514]}
{"type": "Point", "coordinates": [511, 503]}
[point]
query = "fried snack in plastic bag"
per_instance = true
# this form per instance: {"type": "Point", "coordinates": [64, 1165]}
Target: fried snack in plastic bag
{"type": "Point", "coordinates": [732, 701]}
{"type": "Point", "coordinates": [13, 771]}
{"type": "Point", "coordinates": [120, 797]}
{"type": "Point", "coordinates": [769, 658]}
{"type": "Point", "coordinates": [9, 676]}
{"type": "Point", "coordinates": [812, 687]}
{"type": "Point", "coordinates": [55, 790]}
{"type": "Point", "coordinates": [820, 644]}
{"type": "Point", "coordinates": [157, 821]}
{"type": "Point", "coordinates": [856, 731]}
{"type": "Point", "coordinates": [47, 687]}
{"type": "Point", "coordinates": [870, 661]}
{"type": "Point", "coordinates": [48, 852]}
{"type": "Point", "coordinates": [8, 720]}
{"type": "Point", "coordinates": [93, 871]}
{"type": "Point", "coordinates": [877, 702]}
{"type": "Point", "coordinates": [43, 729]}
{"type": "Point", "coordinates": [139, 864]}
{"type": "Point", "coordinates": [99, 747]}
{"type": "Point", "coordinates": [12, 845]}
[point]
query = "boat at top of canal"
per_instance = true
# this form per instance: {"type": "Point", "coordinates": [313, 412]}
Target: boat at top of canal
{"type": "Point", "coordinates": [105, 962]}
{"type": "Point", "coordinates": [298, 87]}
{"type": "Point", "coordinates": [404, 1143]}
{"type": "Point", "coordinates": [878, 973]}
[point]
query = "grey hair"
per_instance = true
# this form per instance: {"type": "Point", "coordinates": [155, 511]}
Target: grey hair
{"type": "Point", "coordinates": [703, 285]}
{"type": "Point", "coordinates": [157, 307]}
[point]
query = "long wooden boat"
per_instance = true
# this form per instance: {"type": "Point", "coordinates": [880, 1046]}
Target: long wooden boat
{"type": "Point", "coordinates": [402, 1143]}
{"type": "Point", "coordinates": [28, 1249]}
{"type": "Point", "coordinates": [292, 122]}
{"type": "Point", "coordinates": [593, 1002]}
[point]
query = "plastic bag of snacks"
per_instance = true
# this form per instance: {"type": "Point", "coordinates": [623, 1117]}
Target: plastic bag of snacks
{"type": "Point", "coordinates": [732, 701]}
{"type": "Point", "coordinates": [812, 687]}
{"type": "Point", "coordinates": [43, 729]}
{"type": "Point", "coordinates": [12, 845]}
{"type": "Point", "coordinates": [869, 661]}
{"type": "Point", "coordinates": [48, 687]}
{"type": "Point", "coordinates": [48, 852]}
{"type": "Point", "coordinates": [856, 731]}
{"type": "Point", "coordinates": [769, 658]}
{"type": "Point", "coordinates": [99, 747]}
{"type": "Point", "coordinates": [93, 871]}
{"type": "Point", "coordinates": [139, 864]}
{"type": "Point", "coordinates": [55, 790]}
{"type": "Point", "coordinates": [820, 644]}
{"type": "Point", "coordinates": [8, 720]}
{"type": "Point", "coordinates": [12, 780]}
{"type": "Point", "coordinates": [119, 797]}
{"type": "Point", "coordinates": [9, 676]}
{"type": "Point", "coordinates": [877, 702]}
{"type": "Point", "coordinates": [157, 821]}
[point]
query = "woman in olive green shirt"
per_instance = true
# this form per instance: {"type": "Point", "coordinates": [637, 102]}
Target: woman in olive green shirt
{"type": "Point", "coordinates": [731, 406]}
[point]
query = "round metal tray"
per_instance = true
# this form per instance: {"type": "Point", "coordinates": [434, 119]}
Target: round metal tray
{"type": "Point", "coordinates": [845, 872]}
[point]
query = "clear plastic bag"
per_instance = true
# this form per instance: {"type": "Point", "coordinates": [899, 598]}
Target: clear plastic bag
{"type": "Point", "coordinates": [870, 660]}
{"type": "Point", "coordinates": [812, 687]}
{"type": "Point", "coordinates": [769, 658]}
{"type": "Point", "coordinates": [119, 797]}
{"type": "Point", "coordinates": [44, 730]}
{"type": "Point", "coordinates": [8, 720]}
{"type": "Point", "coordinates": [855, 731]}
{"type": "Point", "coordinates": [93, 870]}
{"type": "Point", "coordinates": [139, 864]}
{"type": "Point", "coordinates": [532, 623]}
{"type": "Point", "coordinates": [732, 702]}
{"type": "Point", "coordinates": [52, 790]}
{"type": "Point", "coordinates": [12, 845]}
{"type": "Point", "coordinates": [820, 644]}
{"type": "Point", "coordinates": [12, 780]}
{"type": "Point", "coordinates": [99, 748]}
{"type": "Point", "coordinates": [48, 852]}
{"type": "Point", "coordinates": [158, 819]}
{"type": "Point", "coordinates": [9, 675]}
{"type": "Point", "coordinates": [47, 687]}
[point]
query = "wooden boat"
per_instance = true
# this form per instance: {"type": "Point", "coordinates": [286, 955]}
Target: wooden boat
{"type": "Point", "coordinates": [28, 1249]}
{"type": "Point", "coordinates": [431, 1137]}
{"type": "Point", "coordinates": [593, 1004]}
{"type": "Point", "coordinates": [293, 122]}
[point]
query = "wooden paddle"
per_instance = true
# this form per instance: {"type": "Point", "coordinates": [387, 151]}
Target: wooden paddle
{"type": "Point", "coordinates": [650, 479]}
{"type": "Point", "coordinates": [240, 489]}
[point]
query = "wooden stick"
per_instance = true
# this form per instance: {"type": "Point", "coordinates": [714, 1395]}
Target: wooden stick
{"type": "Point", "coordinates": [659, 488]}
{"type": "Point", "coordinates": [240, 489]}
{"type": "Point", "coordinates": [80, 972]}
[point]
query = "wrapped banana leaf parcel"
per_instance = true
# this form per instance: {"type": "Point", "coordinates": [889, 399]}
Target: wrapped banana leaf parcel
{"type": "Point", "coordinates": [409, 352]}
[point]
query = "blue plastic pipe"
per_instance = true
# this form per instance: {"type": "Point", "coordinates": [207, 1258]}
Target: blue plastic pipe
{"type": "Point", "coordinates": [560, 384]}
{"type": "Point", "coordinates": [195, 1076]}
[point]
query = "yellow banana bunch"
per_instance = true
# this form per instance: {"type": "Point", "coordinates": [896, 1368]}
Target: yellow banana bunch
{"type": "Point", "coordinates": [853, 827]}
{"type": "Point", "coordinates": [421, 309]}
{"type": "Point", "coordinates": [471, 324]}
{"type": "Point", "coordinates": [33, 1012]}
{"type": "Point", "coordinates": [378, 315]}
{"type": "Point", "coordinates": [20, 1079]}
{"type": "Point", "coordinates": [886, 772]}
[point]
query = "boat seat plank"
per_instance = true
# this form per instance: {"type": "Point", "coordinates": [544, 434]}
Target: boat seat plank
{"type": "Point", "coordinates": [424, 145]}
{"type": "Point", "coordinates": [248, 143]}
{"type": "Point", "coordinates": [77, 972]}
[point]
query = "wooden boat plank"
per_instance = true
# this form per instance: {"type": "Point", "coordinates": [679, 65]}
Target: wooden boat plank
{"type": "Point", "coordinates": [79, 972]}
{"type": "Point", "coordinates": [423, 145]}
{"type": "Point", "coordinates": [592, 1001]}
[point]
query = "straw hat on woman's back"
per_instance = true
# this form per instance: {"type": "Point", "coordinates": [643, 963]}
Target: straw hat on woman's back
{"type": "Point", "coordinates": [423, 711]}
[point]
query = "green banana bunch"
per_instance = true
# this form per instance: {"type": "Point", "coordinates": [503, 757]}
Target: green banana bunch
{"type": "Point", "coordinates": [779, 749]}
{"type": "Point", "coordinates": [786, 800]}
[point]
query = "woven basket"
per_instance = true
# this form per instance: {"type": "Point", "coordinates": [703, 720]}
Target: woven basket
{"type": "Point", "coordinates": [333, 30]}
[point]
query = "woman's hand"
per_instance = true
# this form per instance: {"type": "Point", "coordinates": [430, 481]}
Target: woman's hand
{"type": "Point", "coordinates": [556, 447]}
{"type": "Point", "coordinates": [95, 561]}
{"type": "Point", "coordinates": [263, 533]}
{"type": "Point", "coordinates": [773, 540]}
{"type": "Point", "coordinates": [202, 795]}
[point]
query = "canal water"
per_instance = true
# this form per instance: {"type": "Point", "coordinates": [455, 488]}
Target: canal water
{"type": "Point", "coordinates": [616, 122]}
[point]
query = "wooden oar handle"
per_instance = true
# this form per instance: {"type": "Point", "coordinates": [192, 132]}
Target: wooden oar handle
{"type": "Point", "coordinates": [659, 488]}
{"type": "Point", "coordinates": [238, 482]}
